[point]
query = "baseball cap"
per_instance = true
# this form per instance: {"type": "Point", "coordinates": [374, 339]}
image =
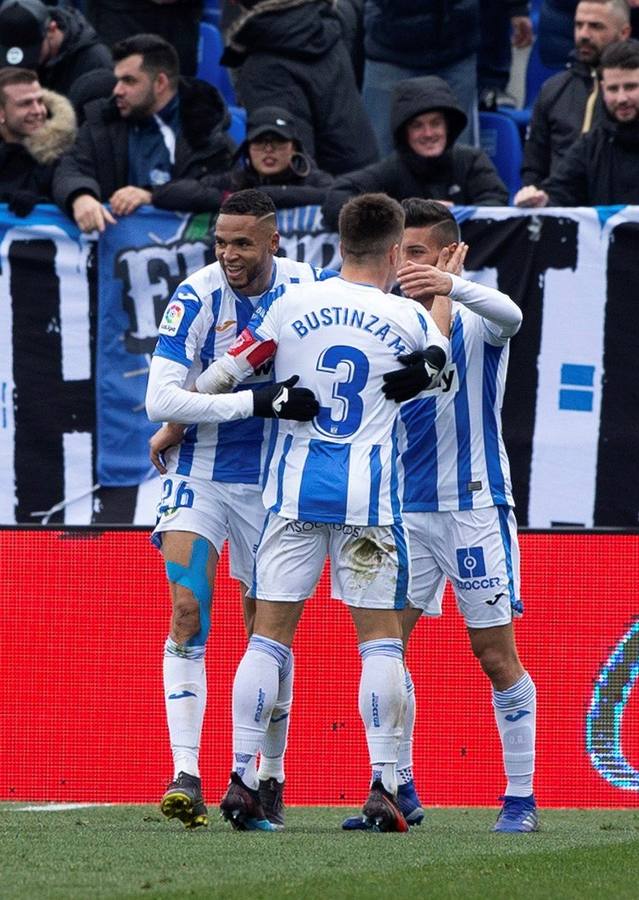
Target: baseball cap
{"type": "Point", "coordinates": [270, 119]}
{"type": "Point", "coordinates": [23, 25]}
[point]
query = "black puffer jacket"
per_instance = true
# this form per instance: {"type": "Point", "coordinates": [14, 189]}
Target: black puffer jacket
{"type": "Point", "coordinates": [422, 35]}
{"type": "Point", "coordinates": [600, 169]}
{"type": "Point", "coordinates": [425, 34]}
{"type": "Point", "coordinates": [98, 164]}
{"type": "Point", "coordinates": [557, 120]}
{"type": "Point", "coordinates": [462, 175]}
{"type": "Point", "coordinates": [81, 51]}
{"type": "Point", "coordinates": [296, 58]}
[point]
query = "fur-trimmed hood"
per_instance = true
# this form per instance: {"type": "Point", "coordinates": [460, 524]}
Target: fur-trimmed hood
{"type": "Point", "coordinates": [299, 32]}
{"type": "Point", "coordinates": [57, 134]}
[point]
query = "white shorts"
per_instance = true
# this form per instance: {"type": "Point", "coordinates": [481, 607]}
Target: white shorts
{"type": "Point", "coordinates": [369, 565]}
{"type": "Point", "coordinates": [477, 550]}
{"type": "Point", "coordinates": [218, 512]}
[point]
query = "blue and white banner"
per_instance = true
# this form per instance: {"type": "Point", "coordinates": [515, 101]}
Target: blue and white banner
{"type": "Point", "coordinates": [81, 320]}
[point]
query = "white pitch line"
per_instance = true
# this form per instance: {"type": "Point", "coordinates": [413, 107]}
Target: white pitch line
{"type": "Point", "coordinates": [54, 807]}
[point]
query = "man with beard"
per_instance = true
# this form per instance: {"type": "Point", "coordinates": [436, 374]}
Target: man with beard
{"type": "Point", "coordinates": [150, 142]}
{"type": "Point", "coordinates": [600, 169]}
{"type": "Point", "coordinates": [212, 483]}
{"type": "Point", "coordinates": [569, 103]}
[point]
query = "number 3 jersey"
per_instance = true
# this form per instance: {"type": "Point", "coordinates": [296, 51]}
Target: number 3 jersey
{"type": "Point", "coordinates": [201, 321]}
{"type": "Point", "coordinates": [340, 338]}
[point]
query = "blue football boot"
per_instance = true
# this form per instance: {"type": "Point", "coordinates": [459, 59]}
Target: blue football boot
{"type": "Point", "coordinates": [518, 814]}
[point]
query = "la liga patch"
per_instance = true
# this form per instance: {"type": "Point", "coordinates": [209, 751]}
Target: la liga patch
{"type": "Point", "coordinates": [173, 315]}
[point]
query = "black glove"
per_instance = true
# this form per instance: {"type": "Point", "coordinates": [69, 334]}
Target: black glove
{"type": "Point", "coordinates": [283, 401]}
{"type": "Point", "coordinates": [22, 202]}
{"type": "Point", "coordinates": [421, 370]}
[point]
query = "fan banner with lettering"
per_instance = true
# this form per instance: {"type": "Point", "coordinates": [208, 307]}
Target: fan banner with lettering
{"type": "Point", "coordinates": [82, 316]}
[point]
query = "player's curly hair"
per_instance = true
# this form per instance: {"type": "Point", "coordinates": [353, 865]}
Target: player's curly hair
{"type": "Point", "coordinates": [249, 202]}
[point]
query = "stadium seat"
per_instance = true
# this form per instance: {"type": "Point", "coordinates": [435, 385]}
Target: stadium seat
{"type": "Point", "coordinates": [499, 137]}
{"type": "Point", "coordinates": [211, 12]}
{"type": "Point", "coordinates": [536, 74]}
{"type": "Point", "coordinates": [238, 123]}
{"type": "Point", "coordinates": [210, 49]}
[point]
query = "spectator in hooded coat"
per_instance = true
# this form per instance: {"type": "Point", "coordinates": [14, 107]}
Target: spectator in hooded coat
{"type": "Point", "coordinates": [292, 53]}
{"type": "Point", "coordinates": [426, 121]}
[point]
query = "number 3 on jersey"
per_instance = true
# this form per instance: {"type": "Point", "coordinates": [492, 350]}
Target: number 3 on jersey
{"type": "Point", "coordinates": [343, 417]}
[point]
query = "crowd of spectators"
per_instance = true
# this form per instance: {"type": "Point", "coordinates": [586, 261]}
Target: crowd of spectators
{"type": "Point", "coordinates": [101, 112]}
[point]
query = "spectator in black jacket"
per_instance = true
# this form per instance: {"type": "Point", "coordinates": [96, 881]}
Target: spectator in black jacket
{"type": "Point", "coordinates": [602, 167]}
{"type": "Point", "coordinates": [271, 159]}
{"type": "Point", "coordinates": [292, 54]}
{"type": "Point", "coordinates": [138, 147]}
{"type": "Point", "coordinates": [177, 21]}
{"type": "Point", "coordinates": [568, 104]}
{"type": "Point", "coordinates": [36, 127]}
{"type": "Point", "coordinates": [426, 121]}
{"type": "Point", "coordinates": [58, 42]}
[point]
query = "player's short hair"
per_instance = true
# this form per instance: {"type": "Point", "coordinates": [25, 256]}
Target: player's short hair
{"type": "Point", "coordinates": [11, 75]}
{"type": "Point", "coordinates": [249, 203]}
{"type": "Point", "coordinates": [620, 55]}
{"type": "Point", "coordinates": [422, 213]}
{"type": "Point", "coordinates": [370, 224]}
{"type": "Point", "coordinates": [157, 55]}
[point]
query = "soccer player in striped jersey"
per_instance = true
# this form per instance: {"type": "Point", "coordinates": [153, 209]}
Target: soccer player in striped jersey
{"type": "Point", "coordinates": [211, 482]}
{"type": "Point", "coordinates": [457, 500]}
{"type": "Point", "coordinates": [332, 489]}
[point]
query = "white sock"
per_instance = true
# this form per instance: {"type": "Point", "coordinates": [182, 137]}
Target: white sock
{"type": "Point", "coordinates": [516, 716]}
{"type": "Point", "coordinates": [382, 697]}
{"type": "Point", "coordinates": [276, 737]}
{"type": "Point", "coordinates": [255, 692]}
{"type": "Point", "coordinates": [405, 756]}
{"type": "Point", "coordinates": [185, 699]}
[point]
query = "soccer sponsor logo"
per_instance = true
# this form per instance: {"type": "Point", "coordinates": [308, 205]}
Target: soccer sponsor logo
{"type": "Point", "coordinates": [172, 318]}
{"type": "Point", "coordinates": [470, 562]}
{"type": "Point", "coordinates": [182, 695]}
{"type": "Point", "coordinates": [479, 584]}
{"type": "Point", "coordinates": [225, 325]}
{"type": "Point", "coordinates": [515, 717]}
{"type": "Point", "coordinates": [494, 599]}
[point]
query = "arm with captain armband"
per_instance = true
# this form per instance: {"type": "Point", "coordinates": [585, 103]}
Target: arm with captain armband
{"type": "Point", "coordinates": [281, 400]}
{"type": "Point", "coordinates": [167, 400]}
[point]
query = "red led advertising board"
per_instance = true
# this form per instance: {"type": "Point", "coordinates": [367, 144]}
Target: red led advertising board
{"type": "Point", "coordinates": [84, 622]}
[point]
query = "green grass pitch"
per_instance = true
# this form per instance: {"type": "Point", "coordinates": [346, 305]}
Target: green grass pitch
{"type": "Point", "coordinates": [131, 851]}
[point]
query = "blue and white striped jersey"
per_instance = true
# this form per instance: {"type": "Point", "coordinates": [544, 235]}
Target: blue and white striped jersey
{"type": "Point", "coordinates": [452, 450]}
{"type": "Point", "coordinates": [340, 338]}
{"type": "Point", "coordinates": [200, 323]}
